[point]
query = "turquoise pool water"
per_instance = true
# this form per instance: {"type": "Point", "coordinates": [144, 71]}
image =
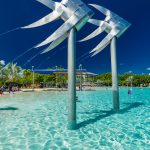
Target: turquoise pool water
{"type": "Point", "coordinates": [37, 121]}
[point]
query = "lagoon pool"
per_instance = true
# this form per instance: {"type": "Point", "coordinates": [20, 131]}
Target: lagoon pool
{"type": "Point", "coordinates": [37, 121]}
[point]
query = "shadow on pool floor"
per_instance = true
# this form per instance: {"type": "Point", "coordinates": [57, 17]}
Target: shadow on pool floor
{"type": "Point", "coordinates": [8, 108]}
{"type": "Point", "coordinates": [104, 113]}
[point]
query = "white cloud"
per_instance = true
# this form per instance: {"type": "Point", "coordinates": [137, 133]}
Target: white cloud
{"type": "Point", "coordinates": [130, 71]}
{"type": "Point", "coordinates": [148, 69]}
{"type": "Point", "coordinates": [121, 64]}
{"type": "Point", "coordinates": [2, 62]}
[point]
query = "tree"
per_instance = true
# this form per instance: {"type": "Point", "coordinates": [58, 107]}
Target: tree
{"type": "Point", "coordinates": [2, 64]}
{"type": "Point", "coordinates": [12, 72]}
{"type": "Point", "coordinates": [106, 78]}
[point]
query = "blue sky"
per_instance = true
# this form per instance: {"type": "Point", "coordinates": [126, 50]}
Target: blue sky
{"type": "Point", "coordinates": [133, 47]}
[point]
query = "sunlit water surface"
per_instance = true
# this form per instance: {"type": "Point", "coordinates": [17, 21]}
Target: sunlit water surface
{"type": "Point", "coordinates": [38, 121]}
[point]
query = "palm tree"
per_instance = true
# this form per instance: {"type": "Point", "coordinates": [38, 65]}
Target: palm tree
{"type": "Point", "coordinates": [2, 64]}
{"type": "Point", "coordinates": [129, 80]}
{"type": "Point", "coordinates": [13, 72]}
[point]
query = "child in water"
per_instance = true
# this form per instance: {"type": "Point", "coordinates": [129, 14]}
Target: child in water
{"type": "Point", "coordinates": [1, 93]}
{"type": "Point", "coordinates": [129, 91]}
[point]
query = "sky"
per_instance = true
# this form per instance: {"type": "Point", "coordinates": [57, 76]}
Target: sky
{"type": "Point", "coordinates": [133, 47]}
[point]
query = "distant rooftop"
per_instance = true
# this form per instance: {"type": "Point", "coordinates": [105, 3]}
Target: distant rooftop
{"type": "Point", "coordinates": [63, 71]}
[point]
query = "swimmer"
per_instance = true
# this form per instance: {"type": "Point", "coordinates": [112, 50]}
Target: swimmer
{"type": "Point", "coordinates": [129, 91]}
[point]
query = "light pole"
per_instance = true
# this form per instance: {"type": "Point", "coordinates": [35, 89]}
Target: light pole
{"type": "Point", "coordinates": [33, 77]}
{"type": "Point", "coordinates": [80, 68]}
{"type": "Point", "coordinates": [56, 76]}
{"type": "Point", "coordinates": [131, 81]}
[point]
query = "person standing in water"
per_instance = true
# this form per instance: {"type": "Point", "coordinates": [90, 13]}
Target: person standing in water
{"type": "Point", "coordinates": [2, 90]}
{"type": "Point", "coordinates": [10, 88]}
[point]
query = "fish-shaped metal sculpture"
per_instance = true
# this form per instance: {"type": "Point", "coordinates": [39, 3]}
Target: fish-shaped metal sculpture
{"type": "Point", "coordinates": [113, 24]}
{"type": "Point", "coordinates": [74, 13]}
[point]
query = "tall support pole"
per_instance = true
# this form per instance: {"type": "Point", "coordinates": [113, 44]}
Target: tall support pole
{"type": "Point", "coordinates": [115, 88]}
{"type": "Point", "coordinates": [72, 79]}
{"type": "Point", "coordinates": [56, 77]}
{"type": "Point", "coordinates": [33, 77]}
{"type": "Point", "coordinates": [80, 69]}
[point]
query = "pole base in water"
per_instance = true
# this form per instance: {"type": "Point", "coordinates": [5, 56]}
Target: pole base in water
{"type": "Point", "coordinates": [116, 100]}
{"type": "Point", "coordinates": [72, 125]}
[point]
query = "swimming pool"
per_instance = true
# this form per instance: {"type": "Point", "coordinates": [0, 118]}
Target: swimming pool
{"type": "Point", "coordinates": [37, 121]}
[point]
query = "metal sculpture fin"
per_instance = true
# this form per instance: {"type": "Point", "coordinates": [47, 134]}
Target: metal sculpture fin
{"type": "Point", "coordinates": [93, 34]}
{"type": "Point", "coordinates": [103, 44]}
{"type": "Point", "coordinates": [103, 47]}
{"type": "Point", "coordinates": [102, 27]}
{"type": "Point", "coordinates": [55, 43]}
{"type": "Point", "coordinates": [103, 10]}
{"type": "Point", "coordinates": [69, 24]}
{"type": "Point", "coordinates": [49, 3]}
{"type": "Point", "coordinates": [45, 20]}
{"type": "Point", "coordinates": [98, 23]}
